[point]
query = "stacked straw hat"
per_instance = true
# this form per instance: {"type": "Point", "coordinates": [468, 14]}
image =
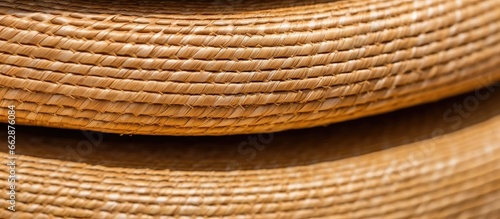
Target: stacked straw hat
{"type": "Point", "coordinates": [248, 70]}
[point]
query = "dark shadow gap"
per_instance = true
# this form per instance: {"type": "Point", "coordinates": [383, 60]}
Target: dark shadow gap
{"type": "Point", "coordinates": [171, 7]}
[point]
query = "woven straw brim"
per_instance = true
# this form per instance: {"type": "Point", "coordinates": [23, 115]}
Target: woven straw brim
{"type": "Point", "coordinates": [423, 162]}
{"type": "Point", "coordinates": [232, 67]}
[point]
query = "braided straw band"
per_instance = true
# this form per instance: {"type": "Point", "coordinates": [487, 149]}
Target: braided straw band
{"type": "Point", "coordinates": [232, 67]}
{"type": "Point", "coordinates": [414, 164]}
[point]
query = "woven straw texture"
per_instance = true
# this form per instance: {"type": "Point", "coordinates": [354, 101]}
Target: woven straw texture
{"type": "Point", "coordinates": [414, 164]}
{"type": "Point", "coordinates": [233, 67]}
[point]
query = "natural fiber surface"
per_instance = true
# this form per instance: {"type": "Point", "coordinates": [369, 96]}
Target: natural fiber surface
{"type": "Point", "coordinates": [230, 67]}
{"type": "Point", "coordinates": [421, 162]}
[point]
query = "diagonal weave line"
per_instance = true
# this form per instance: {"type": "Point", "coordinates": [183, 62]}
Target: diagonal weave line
{"type": "Point", "coordinates": [355, 65]}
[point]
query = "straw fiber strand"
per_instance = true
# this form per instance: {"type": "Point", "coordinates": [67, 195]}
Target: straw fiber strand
{"type": "Point", "coordinates": [227, 67]}
{"type": "Point", "coordinates": [404, 168]}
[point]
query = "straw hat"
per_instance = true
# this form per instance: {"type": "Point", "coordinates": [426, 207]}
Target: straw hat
{"type": "Point", "coordinates": [198, 68]}
{"type": "Point", "coordinates": [406, 164]}
{"type": "Point", "coordinates": [249, 67]}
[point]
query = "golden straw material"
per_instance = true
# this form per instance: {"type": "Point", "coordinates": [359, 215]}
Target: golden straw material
{"type": "Point", "coordinates": [422, 162]}
{"type": "Point", "coordinates": [233, 67]}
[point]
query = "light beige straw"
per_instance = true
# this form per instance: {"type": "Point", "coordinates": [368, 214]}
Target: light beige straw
{"type": "Point", "coordinates": [227, 67]}
{"type": "Point", "coordinates": [233, 67]}
{"type": "Point", "coordinates": [406, 164]}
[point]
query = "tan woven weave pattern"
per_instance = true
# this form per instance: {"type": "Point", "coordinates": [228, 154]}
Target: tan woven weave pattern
{"type": "Point", "coordinates": [232, 67]}
{"type": "Point", "coordinates": [400, 167]}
